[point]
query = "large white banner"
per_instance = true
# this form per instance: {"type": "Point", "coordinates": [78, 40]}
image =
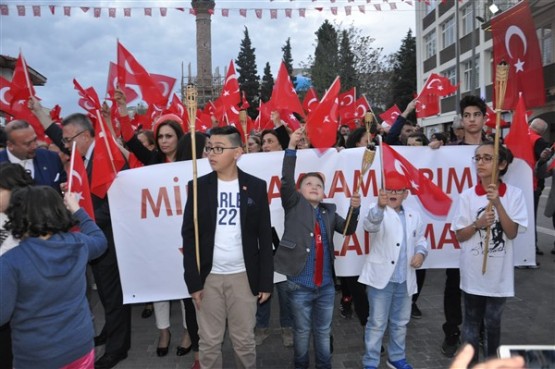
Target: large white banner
{"type": "Point", "coordinates": [147, 205]}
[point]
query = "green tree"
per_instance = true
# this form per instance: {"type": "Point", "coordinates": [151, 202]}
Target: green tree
{"type": "Point", "coordinates": [346, 66]}
{"type": "Point", "coordinates": [246, 68]}
{"type": "Point", "coordinates": [403, 76]}
{"type": "Point", "coordinates": [324, 69]}
{"type": "Point", "coordinates": [267, 84]}
{"type": "Point", "coordinates": [288, 59]}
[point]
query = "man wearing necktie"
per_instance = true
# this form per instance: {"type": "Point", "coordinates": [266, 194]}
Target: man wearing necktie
{"type": "Point", "coordinates": [44, 166]}
{"type": "Point", "coordinates": [305, 255]}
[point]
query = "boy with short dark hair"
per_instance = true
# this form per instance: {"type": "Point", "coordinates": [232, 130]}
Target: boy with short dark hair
{"type": "Point", "coordinates": [305, 255]}
{"type": "Point", "coordinates": [235, 245]}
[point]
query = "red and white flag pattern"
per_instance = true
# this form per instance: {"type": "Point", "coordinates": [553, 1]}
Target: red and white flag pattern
{"type": "Point", "coordinates": [432, 198]}
{"type": "Point", "coordinates": [515, 42]}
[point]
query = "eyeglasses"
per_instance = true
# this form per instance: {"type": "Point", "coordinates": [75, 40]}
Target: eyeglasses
{"type": "Point", "coordinates": [484, 158]}
{"type": "Point", "coordinates": [218, 149]}
{"type": "Point", "coordinates": [68, 140]}
{"type": "Point", "coordinates": [396, 192]}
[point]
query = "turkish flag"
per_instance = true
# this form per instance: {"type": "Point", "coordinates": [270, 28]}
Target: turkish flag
{"type": "Point", "coordinates": [432, 198]}
{"type": "Point", "coordinates": [112, 84]}
{"type": "Point", "coordinates": [18, 109]}
{"type": "Point", "coordinates": [438, 85]}
{"type": "Point", "coordinates": [516, 43]}
{"type": "Point", "coordinates": [391, 114]}
{"type": "Point", "coordinates": [176, 107]}
{"type": "Point", "coordinates": [310, 101]}
{"type": "Point", "coordinates": [517, 140]}
{"type": "Point", "coordinates": [230, 96]}
{"type": "Point", "coordinates": [203, 121]}
{"type": "Point", "coordinates": [356, 112]}
{"type": "Point", "coordinates": [427, 105]}
{"type": "Point", "coordinates": [131, 72]}
{"type": "Point", "coordinates": [321, 125]}
{"type": "Point", "coordinates": [78, 182]}
{"type": "Point", "coordinates": [21, 86]}
{"type": "Point", "coordinates": [263, 120]}
{"type": "Point", "coordinates": [290, 119]}
{"type": "Point", "coordinates": [107, 159]}
{"type": "Point", "coordinates": [491, 118]}
{"type": "Point", "coordinates": [347, 105]}
{"type": "Point", "coordinates": [89, 98]}
{"type": "Point", "coordinates": [284, 95]}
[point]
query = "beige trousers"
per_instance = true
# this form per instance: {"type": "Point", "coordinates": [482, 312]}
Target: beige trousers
{"type": "Point", "coordinates": [227, 297]}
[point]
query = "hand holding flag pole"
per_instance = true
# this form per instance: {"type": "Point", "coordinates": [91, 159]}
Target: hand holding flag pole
{"type": "Point", "coordinates": [191, 96]}
{"type": "Point", "coordinates": [71, 166]}
{"type": "Point", "coordinates": [105, 138]}
{"type": "Point", "coordinates": [501, 78]}
{"type": "Point", "coordinates": [367, 160]}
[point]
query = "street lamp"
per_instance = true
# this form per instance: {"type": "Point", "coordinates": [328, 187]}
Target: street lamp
{"type": "Point", "coordinates": [493, 8]}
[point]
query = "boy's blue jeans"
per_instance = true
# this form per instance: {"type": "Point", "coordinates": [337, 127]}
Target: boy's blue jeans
{"type": "Point", "coordinates": [478, 309]}
{"type": "Point", "coordinates": [389, 305]}
{"type": "Point", "coordinates": [312, 310]}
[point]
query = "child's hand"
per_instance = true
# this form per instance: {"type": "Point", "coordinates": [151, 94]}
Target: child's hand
{"type": "Point", "coordinates": [417, 260]}
{"type": "Point", "coordinates": [355, 200]}
{"type": "Point", "coordinates": [492, 194]}
{"type": "Point", "coordinates": [382, 199]}
{"type": "Point", "coordinates": [295, 138]}
{"type": "Point", "coordinates": [71, 202]}
{"type": "Point", "coordinates": [487, 219]}
{"type": "Point", "coordinates": [121, 101]}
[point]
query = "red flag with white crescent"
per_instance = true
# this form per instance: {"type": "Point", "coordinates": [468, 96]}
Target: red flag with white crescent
{"type": "Point", "coordinates": [429, 194]}
{"type": "Point", "coordinates": [321, 125]}
{"type": "Point", "coordinates": [78, 181]}
{"type": "Point", "coordinates": [515, 42]}
{"type": "Point", "coordinates": [310, 101]}
{"type": "Point", "coordinates": [391, 114]}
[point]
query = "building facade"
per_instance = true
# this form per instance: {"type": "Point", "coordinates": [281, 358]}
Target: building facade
{"type": "Point", "coordinates": [454, 39]}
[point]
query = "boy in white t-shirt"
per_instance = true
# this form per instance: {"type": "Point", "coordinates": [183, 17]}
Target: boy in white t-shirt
{"type": "Point", "coordinates": [235, 265]}
{"type": "Point", "coordinates": [485, 294]}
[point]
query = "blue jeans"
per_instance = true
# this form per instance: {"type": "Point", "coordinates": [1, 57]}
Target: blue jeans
{"type": "Point", "coordinates": [312, 310]}
{"type": "Point", "coordinates": [478, 309]}
{"type": "Point", "coordinates": [264, 310]}
{"type": "Point", "coordinates": [389, 305]}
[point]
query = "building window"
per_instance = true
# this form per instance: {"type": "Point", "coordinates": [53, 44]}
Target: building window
{"type": "Point", "coordinates": [430, 6]}
{"type": "Point", "coordinates": [467, 20]}
{"type": "Point", "coordinates": [545, 37]}
{"type": "Point", "coordinates": [448, 32]}
{"type": "Point", "coordinates": [430, 44]}
{"type": "Point", "coordinates": [451, 74]}
{"type": "Point", "coordinates": [469, 69]}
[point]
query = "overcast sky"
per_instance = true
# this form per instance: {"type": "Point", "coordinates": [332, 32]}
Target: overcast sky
{"type": "Point", "coordinates": [81, 46]}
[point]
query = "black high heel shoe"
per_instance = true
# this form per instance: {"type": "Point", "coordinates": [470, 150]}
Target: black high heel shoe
{"type": "Point", "coordinates": [182, 351]}
{"type": "Point", "coordinates": [163, 351]}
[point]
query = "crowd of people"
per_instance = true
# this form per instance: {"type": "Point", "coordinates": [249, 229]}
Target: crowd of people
{"type": "Point", "coordinates": [47, 241]}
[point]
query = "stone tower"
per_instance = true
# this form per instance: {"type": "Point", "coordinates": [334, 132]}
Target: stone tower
{"type": "Point", "coordinates": [204, 10]}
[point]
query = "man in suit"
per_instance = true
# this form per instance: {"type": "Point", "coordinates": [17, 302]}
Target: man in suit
{"type": "Point", "coordinates": [44, 166]}
{"type": "Point", "coordinates": [235, 243]}
{"type": "Point", "coordinates": [116, 333]}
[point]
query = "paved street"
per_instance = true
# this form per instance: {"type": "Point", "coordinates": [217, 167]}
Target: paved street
{"type": "Point", "coordinates": [529, 318]}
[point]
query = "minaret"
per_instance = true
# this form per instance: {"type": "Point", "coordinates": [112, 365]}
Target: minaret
{"type": "Point", "coordinates": [204, 9]}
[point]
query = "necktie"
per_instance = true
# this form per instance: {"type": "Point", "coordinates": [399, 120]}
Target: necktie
{"type": "Point", "coordinates": [319, 248]}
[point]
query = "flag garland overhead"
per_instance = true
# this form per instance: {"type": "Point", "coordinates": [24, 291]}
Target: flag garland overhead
{"type": "Point", "coordinates": [273, 11]}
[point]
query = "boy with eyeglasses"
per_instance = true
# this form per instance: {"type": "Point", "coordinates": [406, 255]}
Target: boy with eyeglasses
{"type": "Point", "coordinates": [485, 294]}
{"type": "Point", "coordinates": [235, 246]}
{"type": "Point", "coordinates": [390, 272]}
